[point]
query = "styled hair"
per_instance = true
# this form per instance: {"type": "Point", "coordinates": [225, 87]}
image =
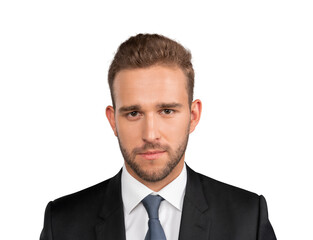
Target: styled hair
{"type": "Point", "coordinates": [145, 50]}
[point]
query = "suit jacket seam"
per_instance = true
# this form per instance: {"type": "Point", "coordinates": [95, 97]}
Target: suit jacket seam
{"type": "Point", "coordinates": [259, 220]}
{"type": "Point", "coordinates": [51, 203]}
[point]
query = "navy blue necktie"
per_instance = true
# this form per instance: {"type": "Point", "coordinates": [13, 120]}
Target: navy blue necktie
{"type": "Point", "coordinates": [152, 204]}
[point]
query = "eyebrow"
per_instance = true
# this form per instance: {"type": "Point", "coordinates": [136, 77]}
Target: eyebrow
{"type": "Point", "coordinates": [169, 105]}
{"type": "Point", "coordinates": [129, 108]}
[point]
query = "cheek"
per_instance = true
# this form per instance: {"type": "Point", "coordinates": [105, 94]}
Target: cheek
{"type": "Point", "coordinates": [175, 129]}
{"type": "Point", "coordinates": [128, 133]}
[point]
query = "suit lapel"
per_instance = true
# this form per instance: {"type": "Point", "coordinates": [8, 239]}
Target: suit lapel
{"type": "Point", "coordinates": [195, 222]}
{"type": "Point", "coordinates": [111, 225]}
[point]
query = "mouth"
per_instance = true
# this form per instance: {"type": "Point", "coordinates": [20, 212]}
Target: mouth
{"type": "Point", "coordinates": [152, 155]}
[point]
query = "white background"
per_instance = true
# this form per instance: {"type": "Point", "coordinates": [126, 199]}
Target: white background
{"type": "Point", "coordinates": [253, 62]}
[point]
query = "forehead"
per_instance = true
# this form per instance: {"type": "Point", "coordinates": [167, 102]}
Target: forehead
{"type": "Point", "coordinates": [150, 86]}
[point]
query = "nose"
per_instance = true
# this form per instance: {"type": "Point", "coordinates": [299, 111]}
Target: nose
{"type": "Point", "coordinates": [150, 131]}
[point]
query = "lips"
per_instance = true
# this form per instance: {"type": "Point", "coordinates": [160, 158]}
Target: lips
{"type": "Point", "coordinates": [152, 155]}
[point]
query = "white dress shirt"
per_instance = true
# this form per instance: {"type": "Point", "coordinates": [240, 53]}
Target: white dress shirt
{"type": "Point", "coordinates": [170, 211]}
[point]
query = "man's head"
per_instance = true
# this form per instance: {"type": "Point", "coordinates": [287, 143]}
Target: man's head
{"type": "Point", "coordinates": [153, 112]}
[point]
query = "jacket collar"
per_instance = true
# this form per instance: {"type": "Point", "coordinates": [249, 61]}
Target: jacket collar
{"type": "Point", "coordinates": [111, 225]}
{"type": "Point", "coordinates": [195, 221]}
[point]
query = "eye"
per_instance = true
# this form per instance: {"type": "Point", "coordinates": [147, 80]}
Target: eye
{"type": "Point", "coordinates": [168, 111]}
{"type": "Point", "coordinates": [132, 115]}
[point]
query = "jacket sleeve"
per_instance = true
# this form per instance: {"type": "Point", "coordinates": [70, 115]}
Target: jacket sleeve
{"type": "Point", "coordinates": [265, 231]}
{"type": "Point", "coordinates": [46, 233]}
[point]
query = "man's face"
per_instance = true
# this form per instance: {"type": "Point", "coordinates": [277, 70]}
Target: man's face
{"type": "Point", "coordinates": [151, 120]}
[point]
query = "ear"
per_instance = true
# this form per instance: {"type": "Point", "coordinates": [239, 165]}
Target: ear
{"type": "Point", "coordinates": [109, 111]}
{"type": "Point", "coordinates": [195, 114]}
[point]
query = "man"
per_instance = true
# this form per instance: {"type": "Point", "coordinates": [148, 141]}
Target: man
{"type": "Point", "coordinates": [156, 195]}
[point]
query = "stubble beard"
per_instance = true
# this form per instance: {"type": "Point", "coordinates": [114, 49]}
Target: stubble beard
{"type": "Point", "coordinates": [155, 175]}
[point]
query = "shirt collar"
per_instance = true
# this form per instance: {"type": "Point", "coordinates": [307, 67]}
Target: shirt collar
{"type": "Point", "coordinates": [134, 191]}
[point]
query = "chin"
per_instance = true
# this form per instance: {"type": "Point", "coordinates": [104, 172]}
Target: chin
{"type": "Point", "coordinates": [153, 173]}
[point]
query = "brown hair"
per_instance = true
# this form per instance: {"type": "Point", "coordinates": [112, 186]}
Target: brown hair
{"type": "Point", "coordinates": [145, 50]}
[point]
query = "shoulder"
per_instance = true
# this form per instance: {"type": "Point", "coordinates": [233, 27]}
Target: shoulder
{"type": "Point", "coordinates": [225, 189]}
{"type": "Point", "coordinates": [242, 212]}
{"type": "Point", "coordinates": [77, 214]}
{"type": "Point", "coordinates": [87, 200]}
{"type": "Point", "coordinates": [223, 194]}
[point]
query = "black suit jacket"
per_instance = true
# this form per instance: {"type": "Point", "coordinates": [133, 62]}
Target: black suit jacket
{"type": "Point", "coordinates": [211, 210]}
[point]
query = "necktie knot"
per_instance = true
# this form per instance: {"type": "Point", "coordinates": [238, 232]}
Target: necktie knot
{"type": "Point", "coordinates": [152, 204]}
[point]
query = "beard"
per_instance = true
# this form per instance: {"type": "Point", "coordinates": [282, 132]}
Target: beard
{"type": "Point", "coordinates": [155, 175]}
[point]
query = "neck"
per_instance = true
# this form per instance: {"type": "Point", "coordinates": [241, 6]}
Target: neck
{"type": "Point", "coordinates": [157, 186]}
